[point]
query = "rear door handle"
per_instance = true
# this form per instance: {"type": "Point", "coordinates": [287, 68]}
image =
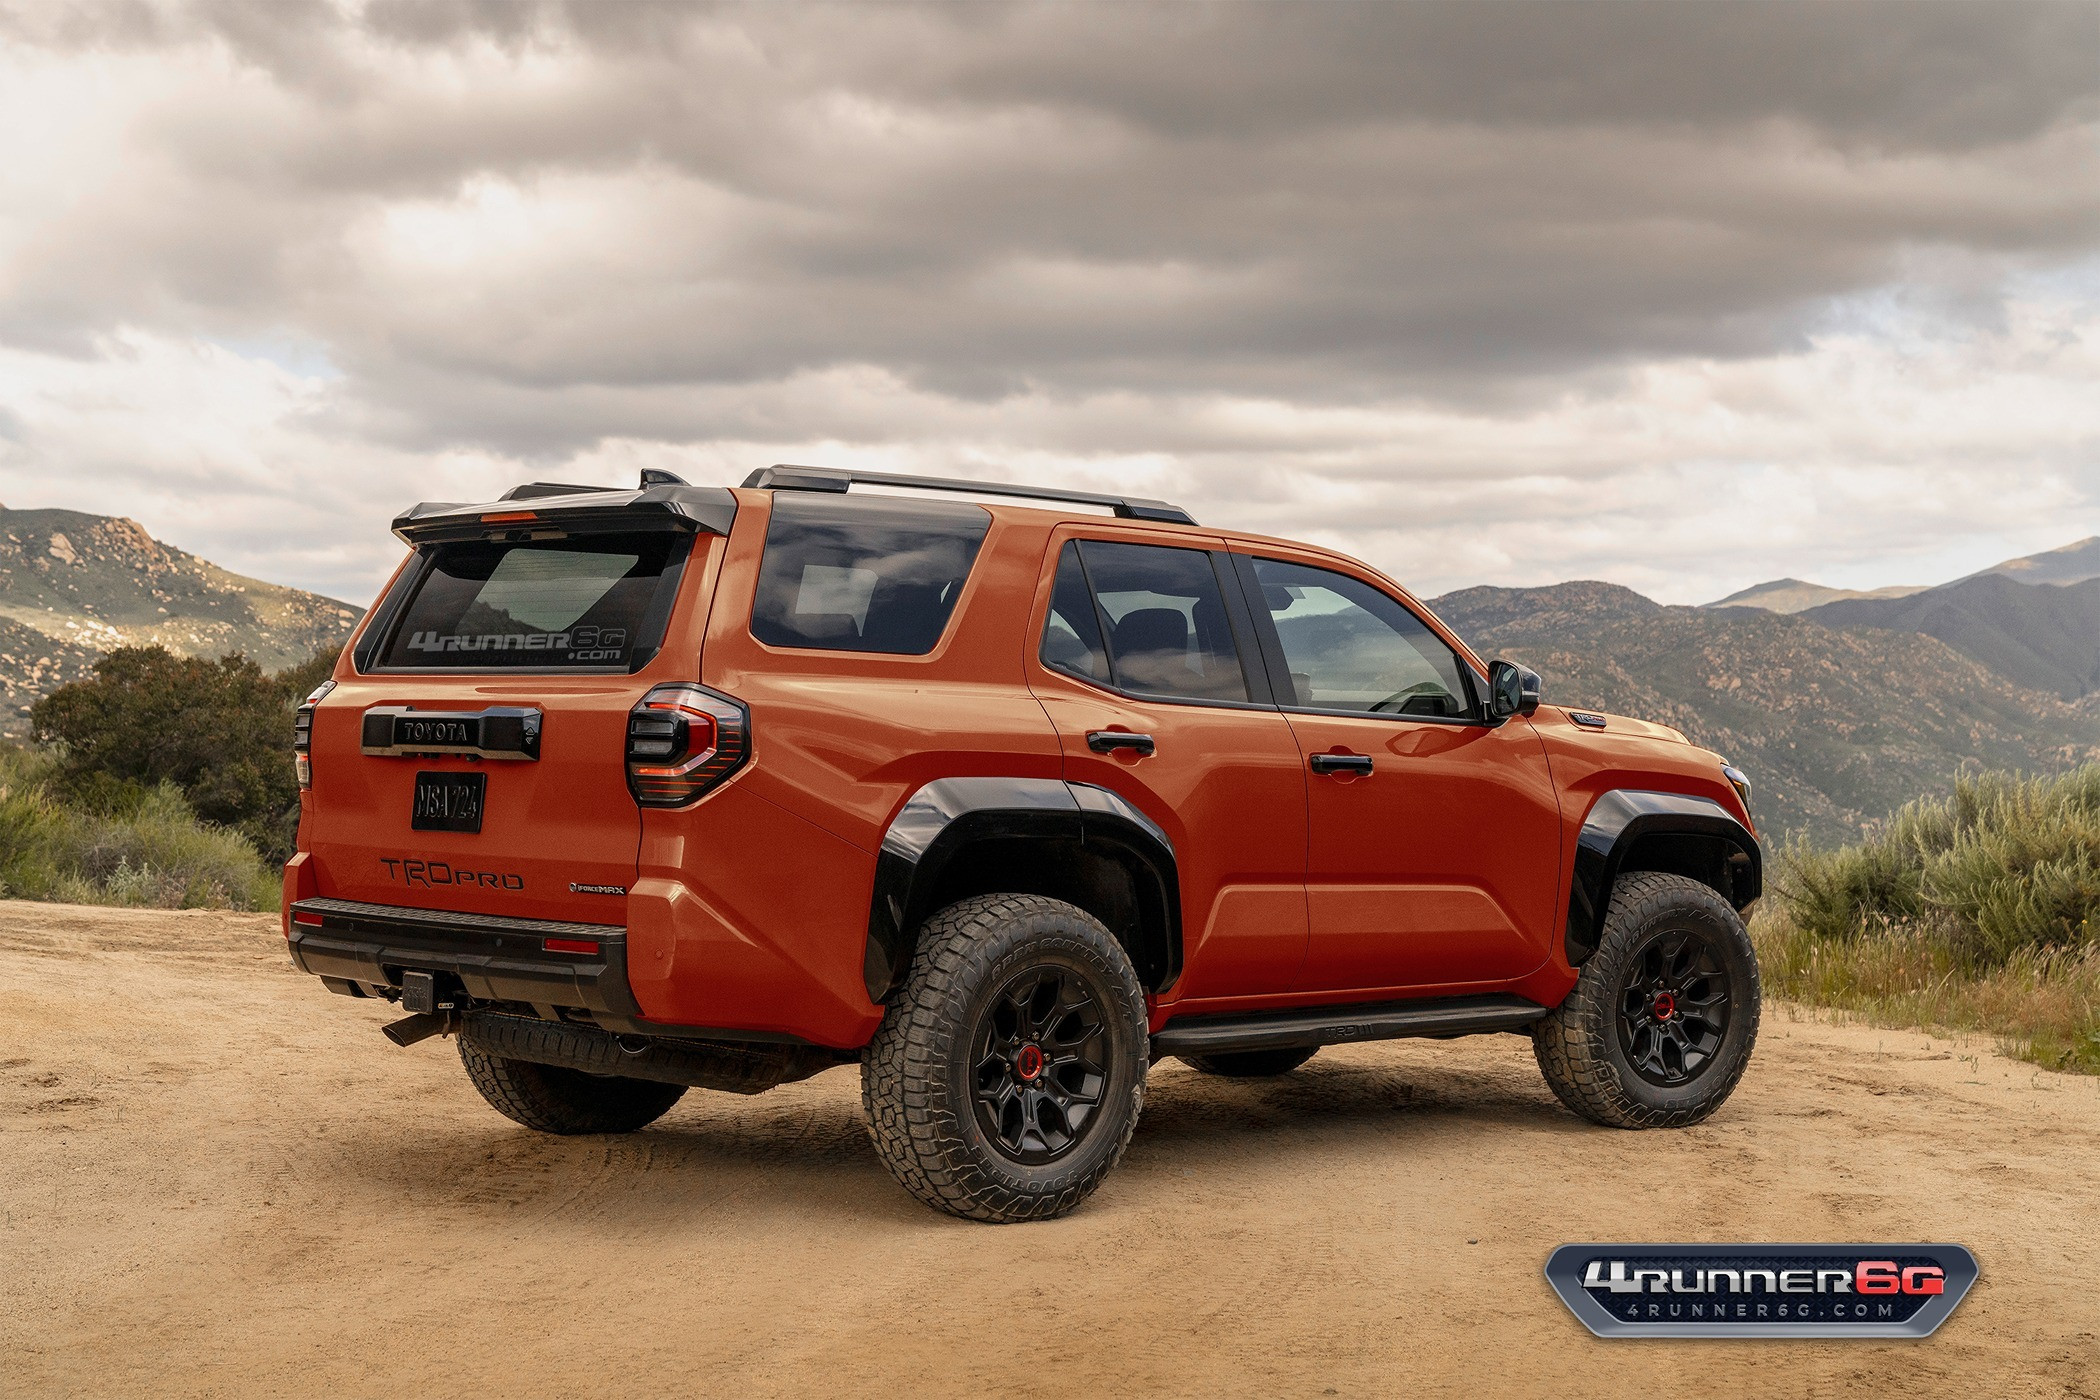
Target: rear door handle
{"type": "Point", "coordinates": [1109, 740]}
{"type": "Point", "coordinates": [1341, 763]}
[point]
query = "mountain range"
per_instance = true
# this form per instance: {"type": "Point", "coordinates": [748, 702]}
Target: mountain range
{"type": "Point", "coordinates": [1843, 704]}
{"type": "Point", "coordinates": [1837, 725]}
{"type": "Point", "coordinates": [73, 586]}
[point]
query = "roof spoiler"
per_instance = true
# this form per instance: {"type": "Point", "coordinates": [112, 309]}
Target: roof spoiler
{"type": "Point", "coordinates": [543, 508]}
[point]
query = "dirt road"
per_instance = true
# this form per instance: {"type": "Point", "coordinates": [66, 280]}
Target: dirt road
{"type": "Point", "coordinates": [217, 1179]}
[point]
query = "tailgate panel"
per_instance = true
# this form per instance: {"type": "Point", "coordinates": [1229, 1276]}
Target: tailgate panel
{"type": "Point", "coordinates": [559, 832]}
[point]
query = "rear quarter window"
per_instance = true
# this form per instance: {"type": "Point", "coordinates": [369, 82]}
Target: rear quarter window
{"type": "Point", "coordinates": [588, 602]}
{"type": "Point", "coordinates": [871, 574]}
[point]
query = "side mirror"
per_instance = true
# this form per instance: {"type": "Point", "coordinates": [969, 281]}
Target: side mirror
{"type": "Point", "coordinates": [1512, 690]}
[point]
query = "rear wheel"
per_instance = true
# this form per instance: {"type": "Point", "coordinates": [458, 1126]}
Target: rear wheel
{"type": "Point", "coordinates": [1007, 1076]}
{"type": "Point", "coordinates": [1252, 1064]}
{"type": "Point", "coordinates": [555, 1100]}
{"type": "Point", "coordinates": [1659, 1027]}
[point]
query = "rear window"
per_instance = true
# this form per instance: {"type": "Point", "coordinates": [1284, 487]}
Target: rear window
{"type": "Point", "coordinates": [863, 575]}
{"type": "Point", "coordinates": [589, 602]}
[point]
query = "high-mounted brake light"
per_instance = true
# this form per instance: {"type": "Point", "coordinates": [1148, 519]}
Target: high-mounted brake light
{"type": "Point", "coordinates": [506, 517]}
{"type": "Point", "coordinates": [683, 741]}
{"type": "Point", "coordinates": [303, 734]}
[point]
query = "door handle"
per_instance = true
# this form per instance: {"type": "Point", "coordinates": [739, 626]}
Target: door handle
{"type": "Point", "coordinates": [1341, 763]}
{"type": "Point", "coordinates": [1109, 740]}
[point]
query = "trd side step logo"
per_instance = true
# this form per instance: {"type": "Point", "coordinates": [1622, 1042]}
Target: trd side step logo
{"type": "Point", "coordinates": [1761, 1290]}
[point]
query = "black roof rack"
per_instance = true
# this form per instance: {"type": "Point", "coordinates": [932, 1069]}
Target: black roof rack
{"type": "Point", "coordinates": [792, 478]}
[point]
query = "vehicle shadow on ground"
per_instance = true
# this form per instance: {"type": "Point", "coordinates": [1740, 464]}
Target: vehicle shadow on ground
{"type": "Point", "coordinates": [805, 1147]}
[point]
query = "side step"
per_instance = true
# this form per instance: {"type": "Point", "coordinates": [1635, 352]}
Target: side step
{"type": "Point", "coordinates": [1335, 1025]}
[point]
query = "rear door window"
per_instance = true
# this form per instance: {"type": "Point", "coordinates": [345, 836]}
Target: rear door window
{"type": "Point", "coordinates": [1163, 614]}
{"type": "Point", "coordinates": [1072, 632]}
{"type": "Point", "coordinates": [588, 602]}
{"type": "Point", "coordinates": [871, 574]}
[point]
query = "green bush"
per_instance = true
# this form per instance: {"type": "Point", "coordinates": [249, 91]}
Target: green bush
{"type": "Point", "coordinates": [1975, 911]}
{"type": "Point", "coordinates": [2001, 865]}
{"type": "Point", "coordinates": [218, 731]}
{"type": "Point", "coordinates": [149, 849]}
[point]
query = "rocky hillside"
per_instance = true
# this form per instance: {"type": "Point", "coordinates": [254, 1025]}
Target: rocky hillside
{"type": "Point", "coordinates": [74, 585]}
{"type": "Point", "coordinates": [1836, 725]}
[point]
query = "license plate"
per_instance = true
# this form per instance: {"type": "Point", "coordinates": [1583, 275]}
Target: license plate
{"type": "Point", "coordinates": [448, 801]}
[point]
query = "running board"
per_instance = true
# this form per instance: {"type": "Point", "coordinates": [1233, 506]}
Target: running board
{"type": "Point", "coordinates": [1334, 1025]}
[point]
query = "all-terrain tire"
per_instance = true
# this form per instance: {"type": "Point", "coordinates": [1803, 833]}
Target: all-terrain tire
{"type": "Point", "coordinates": [567, 1101]}
{"type": "Point", "coordinates": [1252, 1064]}
{"type": "Point", "coordinates": [929, 1077]}
{"type": "Point", "coordinates": [1602, 1049]}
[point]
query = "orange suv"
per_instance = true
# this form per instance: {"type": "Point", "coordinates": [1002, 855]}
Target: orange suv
{"type": "Point", "coordinates": [1003, 793]}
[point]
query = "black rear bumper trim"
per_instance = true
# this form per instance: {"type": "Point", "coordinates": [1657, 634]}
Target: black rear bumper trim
{"type": "Point", "coordinates": [495, 958]}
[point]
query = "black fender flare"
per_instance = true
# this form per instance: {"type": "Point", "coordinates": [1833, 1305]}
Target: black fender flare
{"type": "Point", "coordinates": [1618, 821]}
{"type": "Point", "coordinates": [948, 815]}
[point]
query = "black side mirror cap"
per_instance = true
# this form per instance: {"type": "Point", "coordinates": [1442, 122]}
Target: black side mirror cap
{"type": "Point", "coordinates": [1512, 690]}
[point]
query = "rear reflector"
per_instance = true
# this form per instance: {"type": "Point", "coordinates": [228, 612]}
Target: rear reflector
{"type": "Point", "coordinates": [300, 916]}
{"type": "Point", "coordinates": [570, 945]}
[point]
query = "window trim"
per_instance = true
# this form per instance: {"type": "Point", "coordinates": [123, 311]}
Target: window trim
{"type": "Point", "coordinates": [1279, 669]}
{"type": "Point", "coordinates": [1237, 615]}
{"type": "Point", "coordinates": [394, 609]}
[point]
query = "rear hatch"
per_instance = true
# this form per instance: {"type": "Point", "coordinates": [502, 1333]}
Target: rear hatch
{"type": "Point", "coordinates": [473, 756]}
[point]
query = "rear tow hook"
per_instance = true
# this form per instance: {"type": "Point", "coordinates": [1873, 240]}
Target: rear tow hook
{"type": "Point", "coordinates": [419, 993]}
{"type": "Point", "coordinates": [421, 1026]}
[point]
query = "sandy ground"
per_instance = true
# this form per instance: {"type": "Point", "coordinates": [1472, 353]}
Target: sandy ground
{"type": "Point", "coordinates": [217, 1179]}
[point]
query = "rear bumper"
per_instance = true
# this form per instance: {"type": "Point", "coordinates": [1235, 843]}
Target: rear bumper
{"type": "Point", "coordinates": [494, 958]}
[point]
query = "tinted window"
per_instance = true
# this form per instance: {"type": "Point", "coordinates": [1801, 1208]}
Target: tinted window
{"type": "Point", "coordinates": [863, 575]}
{"type": "Point", "coordinates": [585, 601]}
{"type": "Point", "coordinates": [1072, 632]}
{"type": "Point", "coordinates": [1350, 647]}
{"type": "Point", "coordinates": [1167, 630]}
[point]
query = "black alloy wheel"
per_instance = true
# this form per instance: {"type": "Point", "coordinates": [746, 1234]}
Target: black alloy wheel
{"type": "Point", "coordinates": [1038, 1061]}
{"type": "Point", "coordinates": [1673, 1008]}
{"type": "Point", "coordinates": [1659, 1026]}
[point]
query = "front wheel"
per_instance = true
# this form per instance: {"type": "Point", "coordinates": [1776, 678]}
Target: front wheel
{"type": "Point", "coordinates": [1659, 1027]}
{"type": "Point", "coordinates": [1008, 1073]}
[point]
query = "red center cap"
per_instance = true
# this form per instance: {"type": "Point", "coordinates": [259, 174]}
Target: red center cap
{"type": "Point", "coordinates": [1665, 1006]}
{"type": "Point", "coordinates": [1029, 1063]}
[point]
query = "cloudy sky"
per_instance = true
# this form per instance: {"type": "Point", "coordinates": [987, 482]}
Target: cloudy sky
{"type": "Point", "coordinates": [1683, 296]}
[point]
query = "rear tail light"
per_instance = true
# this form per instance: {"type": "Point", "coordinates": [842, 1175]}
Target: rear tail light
{"type": "Point", "coordinates": [683, 741]}
{"type": "Point", "coordinates": [303, 734]}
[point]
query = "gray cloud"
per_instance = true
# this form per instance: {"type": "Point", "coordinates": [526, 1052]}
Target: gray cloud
{"type": "Point", "coordinates": [526, 229]}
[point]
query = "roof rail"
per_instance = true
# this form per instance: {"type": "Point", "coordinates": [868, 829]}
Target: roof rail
{"type": "Point", "coordinates": [792, 478]}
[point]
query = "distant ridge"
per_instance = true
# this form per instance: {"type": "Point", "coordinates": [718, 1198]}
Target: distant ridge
{"type": "Point", "coordinates": [2040, 635]}
{"type": "Point", "coordinates": [74, 585]}
{"type": "Point", "coordinates": [1792, 595]}
{"type": "Point", "coordinates": [2068, 564]}
{"type": "Point", "coordinates": [2071, 563]}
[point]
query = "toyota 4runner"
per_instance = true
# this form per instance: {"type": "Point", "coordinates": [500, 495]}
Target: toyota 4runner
{"type": "Point", "coordinates": [1003, 793]}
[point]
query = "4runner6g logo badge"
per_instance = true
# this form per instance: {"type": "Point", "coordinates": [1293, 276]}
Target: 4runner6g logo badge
{"type": "Point", "coordinates": [1761, 1290]}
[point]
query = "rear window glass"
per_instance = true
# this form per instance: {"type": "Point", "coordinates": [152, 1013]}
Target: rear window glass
{"type": "Point", "coordinates": [592, 601]}
{"type": "Point", "coordinates": [863, 575]}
